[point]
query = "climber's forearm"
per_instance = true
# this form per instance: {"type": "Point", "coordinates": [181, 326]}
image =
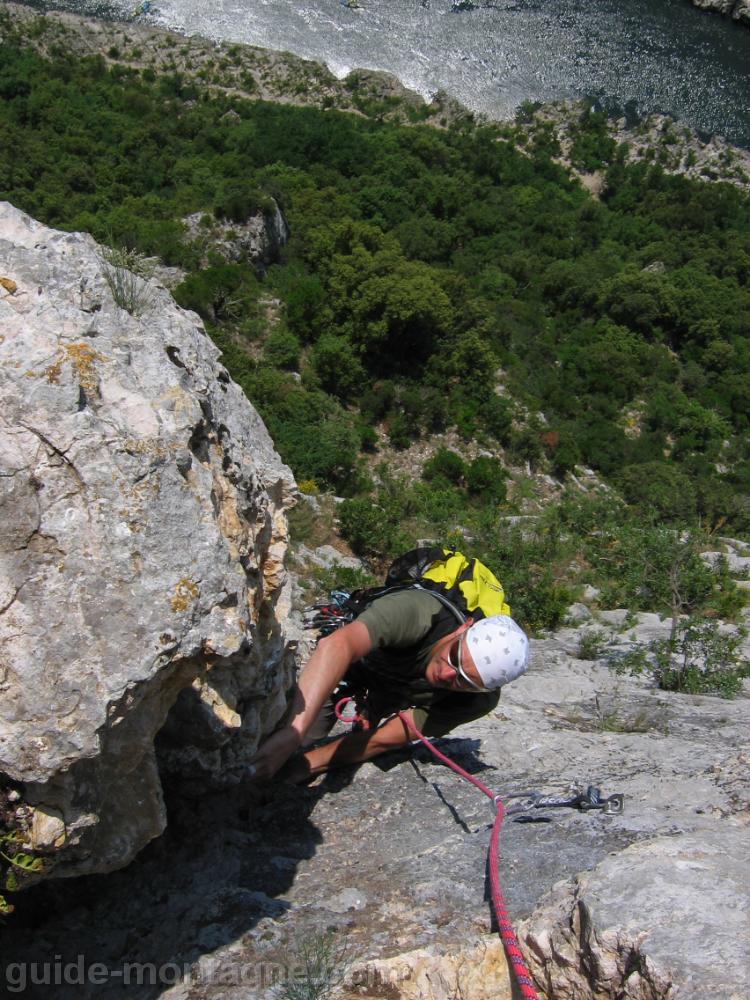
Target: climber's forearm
{"type": "Point", "coordinates": [320, 676]}
{"type": "Point", "coordinates": [356, 747]}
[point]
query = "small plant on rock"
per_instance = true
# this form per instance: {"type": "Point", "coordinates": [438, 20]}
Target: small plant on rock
{"type": "Point", "coordinates": [318, 967]}
{"type": "Point", "coordinates": [592, 644]}
{"type": "Point", "coordinates": [128, 273]}
{"type": "Point", "coordinates": [14, 865]}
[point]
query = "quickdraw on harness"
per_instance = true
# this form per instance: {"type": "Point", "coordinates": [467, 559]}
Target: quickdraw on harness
{"type": "Point", "coordinates": [326, 618]}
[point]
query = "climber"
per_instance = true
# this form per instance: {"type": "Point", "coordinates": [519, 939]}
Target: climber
{"type": "Point", "coordinates": [404, 652]}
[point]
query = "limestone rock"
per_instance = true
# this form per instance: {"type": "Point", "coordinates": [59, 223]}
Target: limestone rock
{"type": "Point", "coordinates": [661, 919]}
{"type": "Point", "coordinates": [734, 562]}
{"type": "Point", "coordinates": [606, 906]}
{"type": "Point", "coordinates": [578, 612]}
{"type": "Point", "coordinates": [327, 557]}
{"type": "Point", "coordinates": [616, 617]}
{"type": "Point", "coordinates": [738, 9]}
{"type": "Point", "coordinates": [257, 240]}
{"type": "Point", "coordinates": [590, 594]}
{"type": "Point", "coordinates": [142, 555]}
{"type": "Point", "coordinates": [476, 973]}
{"type": "Point", "coordinates": [720, 6]}
{"type": "Point", "coordinates": [47, 830]}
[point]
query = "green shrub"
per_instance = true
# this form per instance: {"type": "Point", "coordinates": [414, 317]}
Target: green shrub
{"type": "Point", "coordinates": [593, 146]}
{"type": "Point", "coordinates": [16, 866]}
{"type": "Point", "coordinates": [401, 430]}
{"type": "Point", "coordinates": [526, 446]}
{"type": "Point", "coordinates": [368, 438]}
{"type": "Point", "coordinates": [343, 578]}
{"type": "Point", "coordinates": [317, 969]}
{"type": "Point", "coordinates": [222, 292]}
{"type": "Point", "coordinates": [526, 111]}
{"type": "Point", "coordinates": [326, 453]}
{"type": "Point", "coordinates": [128, 274]}
{"type": "Point", "coordinates": [539, 601]}
{"type": "Point", "coordinates": [646, 566]}
{"type": "Point", "coordinates": [445, 465]}
{"type": "Point", "coordinates": [486, 479]}
{"type": "Point", "coordinates": [697, 659]}
{"type": "Point", "coordinates": [592, 643]}
{"type": "Point", "coordinates": [337, 366]}
{"type": "Point", "coordinates": [282, 349]}
{"type": "Point", "coordinates": [659, 488]}
{"type": "Point", "coordinates": [238, 201]}
{"type": "Point", "coordinates": [377, 400]}
{"type": "Point", "coordinates": [364, 526]}
{"type": "Point", "coordinates": [565, 457]}
{"type": "Point", "coordinates": [497, 417]}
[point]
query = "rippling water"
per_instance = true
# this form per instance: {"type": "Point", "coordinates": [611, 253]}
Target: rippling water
{"type": "Point", "coordinates": [652, 55]}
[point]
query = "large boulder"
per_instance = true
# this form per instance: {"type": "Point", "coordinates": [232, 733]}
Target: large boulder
{"type": "Point", "coordinates": [142, 576]}
{"type": "Point", "coordinates": [661, 919]}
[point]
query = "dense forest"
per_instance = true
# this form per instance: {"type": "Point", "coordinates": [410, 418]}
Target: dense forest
{"type": "Point", "coordinates": [457, 278]}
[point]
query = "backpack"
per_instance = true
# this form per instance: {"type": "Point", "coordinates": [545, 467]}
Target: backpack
{"type": "Point", "coordinates": [465, 586]}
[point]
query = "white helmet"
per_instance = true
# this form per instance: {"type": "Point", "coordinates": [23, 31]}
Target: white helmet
{"type": "Point", "coordinates": [499, 649]}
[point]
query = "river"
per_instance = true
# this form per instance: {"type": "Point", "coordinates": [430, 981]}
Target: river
{"type": "Point", "coordinates": [642, 55]}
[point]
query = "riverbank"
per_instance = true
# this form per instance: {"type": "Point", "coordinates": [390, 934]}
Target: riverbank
{"type": "Point", "coordinates": [232, 69]}
{"type": "Point", "coordinates": [642, 57]}
{"type": "Point", "coordinates": [656, 139]}
{"type": "Point", "coordinates": [281, 77]}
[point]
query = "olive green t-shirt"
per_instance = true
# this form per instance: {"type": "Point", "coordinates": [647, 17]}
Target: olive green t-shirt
{"type": "Point", "coordinates": [404, 628]}
{"type": "Point", "coordinates": [403, 620]}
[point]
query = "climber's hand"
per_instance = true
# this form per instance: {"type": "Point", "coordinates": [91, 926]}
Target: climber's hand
{"type": "Point", "coordinates": [273, 753]}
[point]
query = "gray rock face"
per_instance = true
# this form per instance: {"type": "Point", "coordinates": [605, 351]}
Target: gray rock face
{"type": "Point", "coordinates": [738, 9]}
{"type": "Point", "coordinates": [605, 933]}
{"type": "Point", "coordinates": [391, 858]}
{"type": "Point", "coordinates": [141, 561]}
{"type": "Point", "coordinates": [258, 240]}
{"type": "Point", "coordinates": [327, 557]}
{"type": "Point", "coordinates": [720, 6]}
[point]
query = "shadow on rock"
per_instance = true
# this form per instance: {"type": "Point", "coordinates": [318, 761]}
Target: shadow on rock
{"type": "Point", "coordinates": [216, 877]}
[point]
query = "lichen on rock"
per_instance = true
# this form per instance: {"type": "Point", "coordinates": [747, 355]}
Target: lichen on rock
{"type": "Point", "coordinates": [142, 554]}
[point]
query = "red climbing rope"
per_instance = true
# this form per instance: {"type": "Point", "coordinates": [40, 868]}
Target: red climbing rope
{"type": "Point", "coordinates": [505, 928]}
{"type": "Point", "coordinates": [338, 710]}
{"type": "Point", "coordinates": [507, 934]}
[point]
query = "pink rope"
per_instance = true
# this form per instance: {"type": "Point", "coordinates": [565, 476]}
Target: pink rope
{"type": "Point", "coordinates": [338, 710]}
{"type": "Point", "coordinates": [505, 928]}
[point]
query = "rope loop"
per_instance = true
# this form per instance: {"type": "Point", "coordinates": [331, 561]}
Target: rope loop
{"type": "Point", "coordinates": [338, 710]}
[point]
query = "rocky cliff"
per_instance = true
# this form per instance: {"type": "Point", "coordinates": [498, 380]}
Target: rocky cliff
{"type": "Point", "coordinates": [142, 582]}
